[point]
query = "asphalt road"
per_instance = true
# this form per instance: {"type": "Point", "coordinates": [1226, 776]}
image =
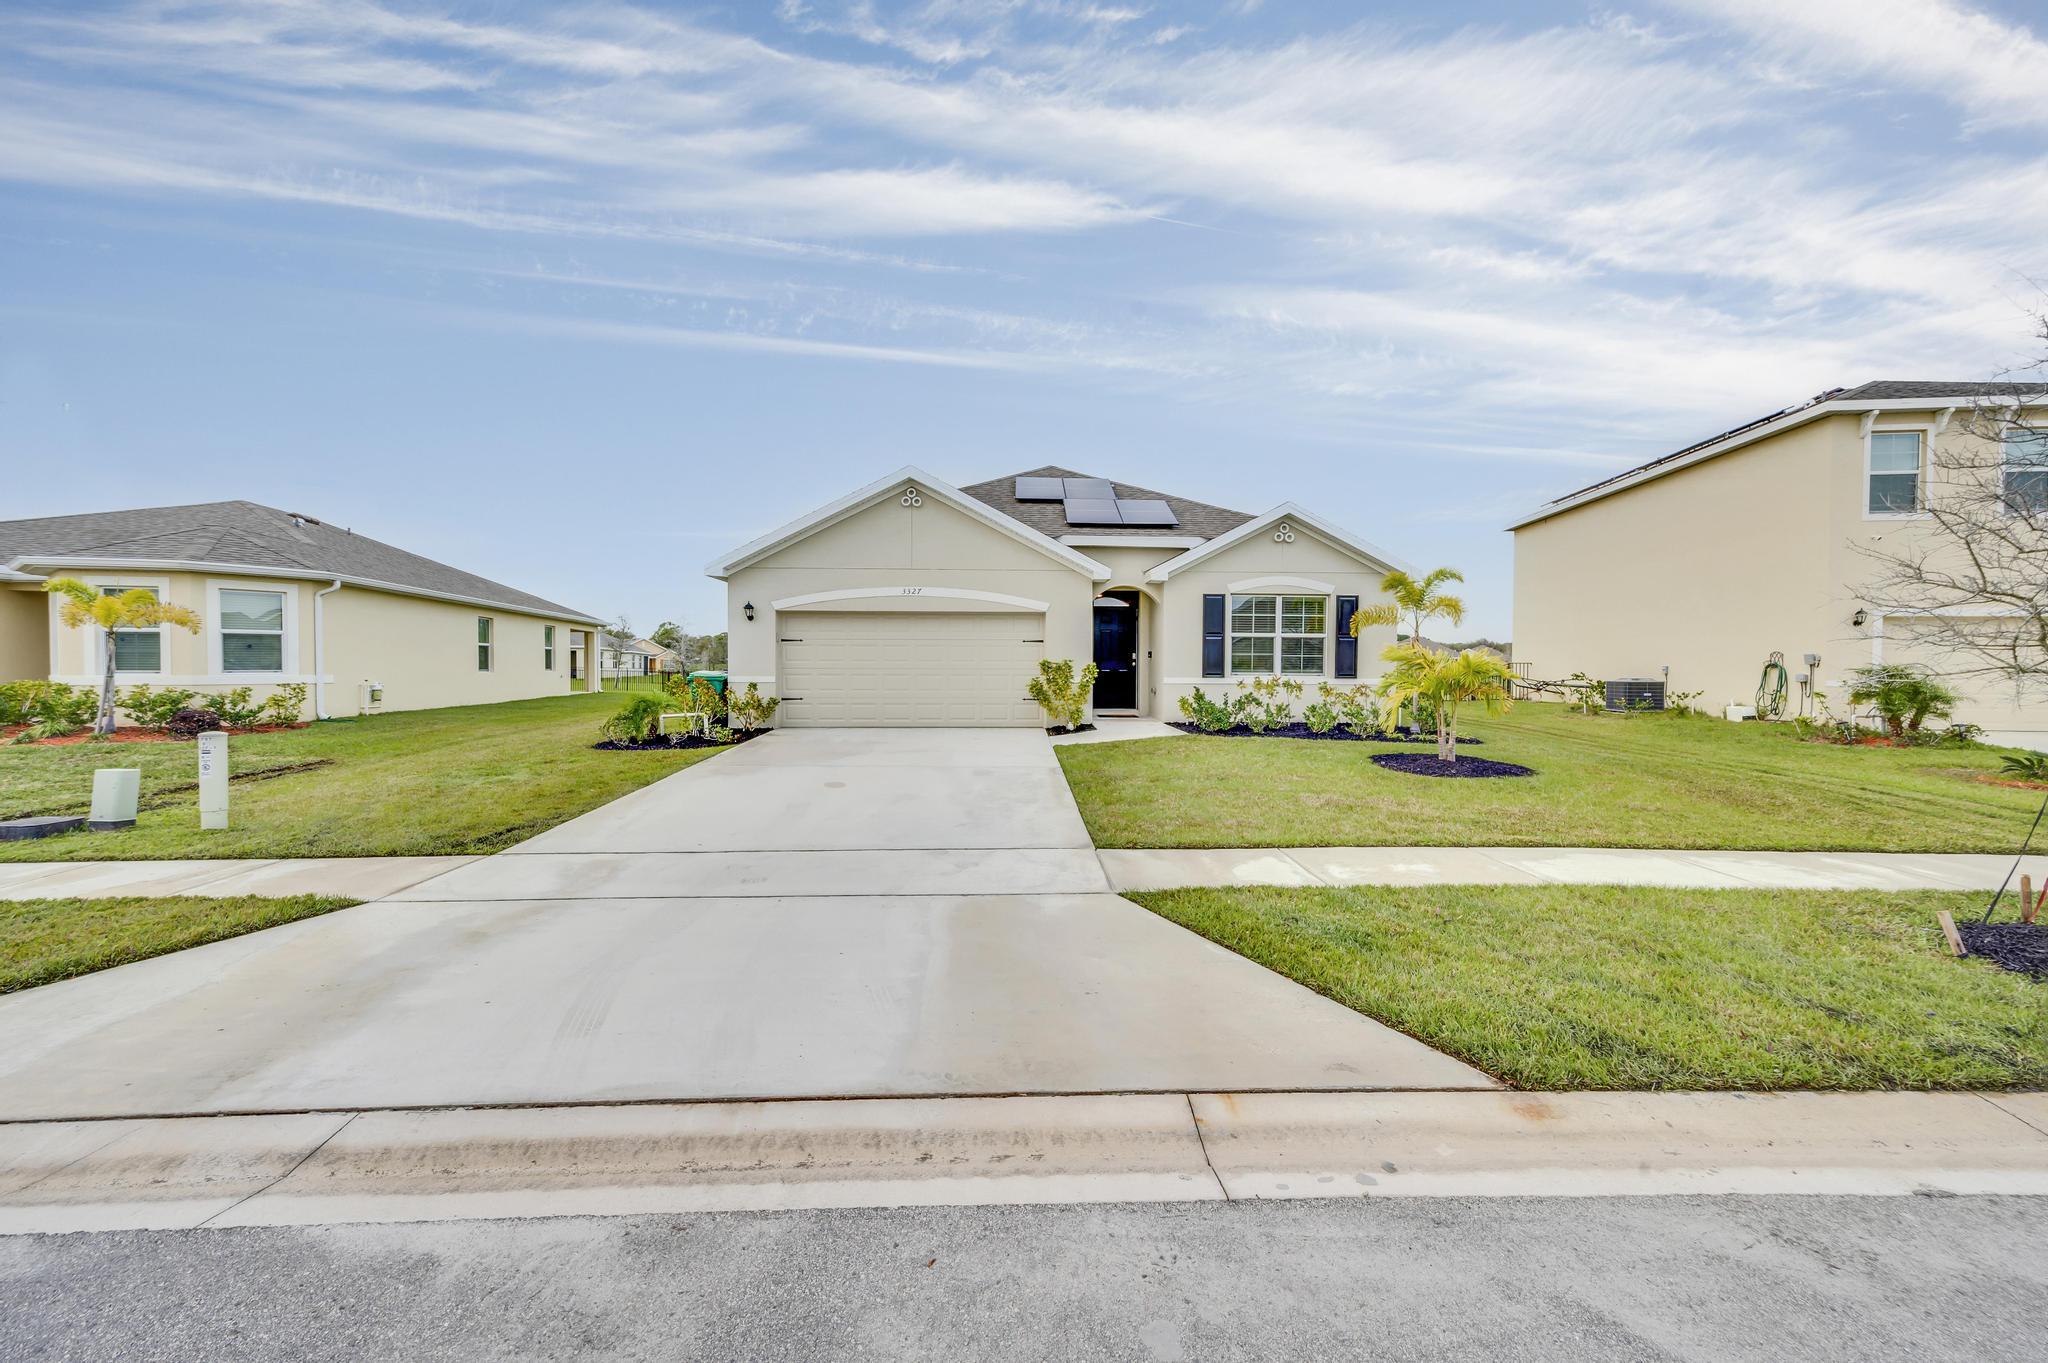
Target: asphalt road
{"type": "Point", "coordinates": [1784, 1278]}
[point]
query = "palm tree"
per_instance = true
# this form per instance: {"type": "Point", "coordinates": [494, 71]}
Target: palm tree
{"type": "Point", "coordinates": [135, 609]}
{"type": "Point", "coordinates": [1446, 681]}
{"type": "Point", "coordinates": [1418, 600]}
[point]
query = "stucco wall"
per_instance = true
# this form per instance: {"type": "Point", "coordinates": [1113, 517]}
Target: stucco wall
{"type": "Point", "coordinates": [1305, 566]}
{"type": "Point", "coordinates": [888, 546]}
{"type": "Point", "coordinates": [24, 634]}
{"type": "Point", "coordinates": [1713, 567]}
{"type": "Point", "coordinates": [1705, 571]}
{"type": "Point", "coordinates": [422, 651]}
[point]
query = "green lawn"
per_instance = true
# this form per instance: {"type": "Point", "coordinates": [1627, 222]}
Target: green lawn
{"type": "Point", "coordinates": [53, 939]}
{"type": "Point", "coordinates": [471, 779]}
{"type": "Point", "coordinates": [1577, 987]}
{"type": "Point", "coordinates": [1602, 781]}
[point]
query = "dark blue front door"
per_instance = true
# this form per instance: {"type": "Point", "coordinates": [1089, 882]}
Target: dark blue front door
{"type": "Point", "coordinates": [1116, 652]}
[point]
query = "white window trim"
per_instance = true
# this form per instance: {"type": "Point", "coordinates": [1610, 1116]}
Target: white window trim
{"type": "Point", "coordinates": [490, 643]}
{"type": "Point", "coordinates": [547, 646]}
{"type": "Point", "coordinates": [97, 650]}
{"type": "Point", "coordinates": [290, 590]}
{"type": "Point", "coordinates": [1231, 636]}
{"type": "Point", "coordinates": [1926, 430]}
{"type": "Point", "coordinates": [2005, 466]}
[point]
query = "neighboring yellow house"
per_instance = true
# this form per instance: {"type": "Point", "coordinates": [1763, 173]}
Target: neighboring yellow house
{"type": "Point", "coordinates": [1707, 560]}
{"type": "Point", "coordinates": [914, 602]}
{"type": "Point", "coordinates": [282, 599]}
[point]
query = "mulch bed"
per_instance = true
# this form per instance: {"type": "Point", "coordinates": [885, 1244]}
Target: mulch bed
{"type": "Point", "coordinates": [669, 742]}
{"type": "Point", "coordinates": [1429, 764]}
{"type": "Point", "coordinates": [1058, 729]}
{"type": "Point", "coordinates": [2013, 946]}
{"type": "Point", "coordinates": [1300, 730]}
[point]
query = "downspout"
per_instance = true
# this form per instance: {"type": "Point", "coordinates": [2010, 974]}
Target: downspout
{"type": "Point", "coordinates": [320, 650]}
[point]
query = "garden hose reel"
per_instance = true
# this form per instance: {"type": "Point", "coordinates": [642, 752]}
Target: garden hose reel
{"type": "Point", "coordinates": [1771, 688]}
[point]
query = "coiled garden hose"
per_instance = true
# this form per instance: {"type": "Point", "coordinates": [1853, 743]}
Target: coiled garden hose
{"type": "Point", "coordinates": [1771, 687]}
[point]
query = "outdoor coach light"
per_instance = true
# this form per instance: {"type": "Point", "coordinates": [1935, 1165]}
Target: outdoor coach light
{"type": "Point", "coordinates": [1860, 618]}
{"type": "Point", "coordinates": [749, 609]}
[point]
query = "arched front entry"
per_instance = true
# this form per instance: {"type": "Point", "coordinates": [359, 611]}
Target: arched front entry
{"type": "Point", "coordinates": [1119, 650]}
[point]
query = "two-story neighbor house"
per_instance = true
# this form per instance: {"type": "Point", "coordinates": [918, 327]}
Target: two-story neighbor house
{"type": "Point", "coordinates": [1707, 560]}
{"type": "Point", "coordinates": [914, 602]}
{"type": "Point", "coordinates": [283, 599]}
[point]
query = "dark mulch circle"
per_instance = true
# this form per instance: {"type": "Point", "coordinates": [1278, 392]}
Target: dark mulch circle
{"type": "Point", "coordinates": [1300, 730]}
{"type": "Point", "coordinates": [1058, 729]}
{"type": "Point", "coordinates": [1429, 764]}
{"type": "Point", "coordinates": [669, 742]}
{"type": "Point", "coordinates": [2014, 946]}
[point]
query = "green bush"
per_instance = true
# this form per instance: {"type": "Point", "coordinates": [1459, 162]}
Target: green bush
{"type": "Point", "coordinates": [233, 709]}
{"type": "Point", "coordinates": [1061, 691]}
{"type": "Point", "coordinates": [749, 709]}
{"type": "Point", "coordinates": [1356, 708]}
{"type": "Point", "coordinates": [1268, 703]}
{"type": "Point", "coordinates": [1904, 697]}
{"type": "Point", "coordinates": [2026, 766]}
{"type": "Point", "coordinates": [286, 704]}
{"type": "Point", "coordinates": [637, 720]}
{"type": "Point", "coordinates": [52, 706]}
{"type": "Point", "coordinates": [1320, 716]}
{"type": "Point", "coordinates": [152, 708]}
{"type": "Point", "coordinates": [1212, 717]}
{"type": "Point", "coordinates": [695, 696]}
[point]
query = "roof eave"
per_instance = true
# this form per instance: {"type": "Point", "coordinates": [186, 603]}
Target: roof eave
{"type": "Point", "coordinates": [1797, 417]}
{"type": "Point", "coordinates": [833, 512]}
{"type": "Point", "coordinates": [1292, 511]}
{"type": "Point", "coordinates": [543, 610]}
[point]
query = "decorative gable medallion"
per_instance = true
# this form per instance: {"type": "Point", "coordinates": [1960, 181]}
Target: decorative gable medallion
{"type": "Point", "coordinates": [912, 497]}
{"type": "Point", "coordinates": [1284, 535]}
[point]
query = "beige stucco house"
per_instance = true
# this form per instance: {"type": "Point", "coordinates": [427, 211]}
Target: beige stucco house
{"type": "Point", "coordinates": [1707, 560]}
{"type": "Point", "coordinates": [282, 598]}
{"type": "Point", "coordinates": [914, 602]}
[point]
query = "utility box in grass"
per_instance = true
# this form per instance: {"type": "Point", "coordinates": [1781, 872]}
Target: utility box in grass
{"type": "Point", "coordinates": [1635, 693]}
{"type": "Point", "coordinates": [116, 791]}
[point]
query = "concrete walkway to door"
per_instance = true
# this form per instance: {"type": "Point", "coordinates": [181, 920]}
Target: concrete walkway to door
{"type": "Point", "coordinates": [822, 913]}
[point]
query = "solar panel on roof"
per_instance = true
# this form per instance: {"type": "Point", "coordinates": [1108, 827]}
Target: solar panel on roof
{"type": "Point", "coordinates": [1147, 511]}
{"type": "Point", "coordinates": [1093, 489]}
{"type": "Point", "coordinates": [1093, 511]}
{"type": "Point", "coordinates": [1041, 490]}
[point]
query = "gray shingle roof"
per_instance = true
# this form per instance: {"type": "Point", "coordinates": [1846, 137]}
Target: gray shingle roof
{"type": "Point", "coordinates": [245, 534]}
{"type": "Point", "coordinates": [1050, 518]}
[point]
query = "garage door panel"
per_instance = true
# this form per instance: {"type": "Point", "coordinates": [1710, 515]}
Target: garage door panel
{"type": "Point", "coordinates": [883, 669]}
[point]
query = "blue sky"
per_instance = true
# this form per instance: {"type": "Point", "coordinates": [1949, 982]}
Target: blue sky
{"type": "Point", "coordinates": [579, 296]}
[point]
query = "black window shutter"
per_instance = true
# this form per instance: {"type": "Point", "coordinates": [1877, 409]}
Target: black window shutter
{"type": "Point", "coordinates": [1347, 643]}
{"type": "Point", "coordinates": [1212, 636]}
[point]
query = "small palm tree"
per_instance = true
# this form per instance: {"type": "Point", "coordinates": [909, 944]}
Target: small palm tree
{"type": "Point", "coordinates": [1417, 599]}
{"type": "Point", "coordinates": [1446, 681]}
{"type": "Point", "coordinates": [136, 609]}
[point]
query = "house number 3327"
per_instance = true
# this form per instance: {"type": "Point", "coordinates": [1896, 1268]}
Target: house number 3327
{"type": "Point", "coordinates": [913, 591]}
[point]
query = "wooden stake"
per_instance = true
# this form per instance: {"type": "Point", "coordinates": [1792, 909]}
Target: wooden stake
{"type": "Point", "coordinates": [2027, 889]}
{"type": "Point", "coordinates": [2031, 909]}
{"type": "Point", "coordinates": [1948, 930]}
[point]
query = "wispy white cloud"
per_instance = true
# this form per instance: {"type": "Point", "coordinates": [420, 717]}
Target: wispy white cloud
{"type": "Point", "coordinates": [1954, 51]}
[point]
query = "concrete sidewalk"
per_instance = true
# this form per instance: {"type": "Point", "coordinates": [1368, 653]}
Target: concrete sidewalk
{"type": "Point", "coordinates": [466, 1164]}
{"type": "Point", "coordinates": [347, 877]}
{"type": "Point", "coordinates": [1175, 868]}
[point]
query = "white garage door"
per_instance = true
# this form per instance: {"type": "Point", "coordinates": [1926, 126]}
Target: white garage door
{"type": "Point", "coordinates": [904, 669]}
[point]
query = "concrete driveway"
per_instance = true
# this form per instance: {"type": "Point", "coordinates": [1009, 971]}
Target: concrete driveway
{"type": "Point", "coordinates": [816, 913]}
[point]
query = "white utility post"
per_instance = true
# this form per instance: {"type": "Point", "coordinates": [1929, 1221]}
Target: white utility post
{"type": "Point", "coordinates": [213, 779]}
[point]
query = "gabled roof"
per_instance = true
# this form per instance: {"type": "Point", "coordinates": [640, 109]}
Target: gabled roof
{"type": "Point", "coordinates": [1293, 515]}
{"type": "Point", "coordinates": [831, 513]}
{"type": "Point", "coordinates": [1882, 394]}
{"type": "Point", "coordinates": [1197, 519]}
{"type": "Point", "coordinates": [246, 535]}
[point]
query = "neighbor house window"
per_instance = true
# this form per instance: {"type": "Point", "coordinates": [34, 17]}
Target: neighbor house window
{"type": "Point", "coordinates": [1894, 473]}
{"type": "Point", "coordinates": [136, 650]}
{"type": "Point", "coordinates": [251, 631]}
{"type": "Point", "coordinates": [483, 643]}
{"type": "Point", "coordinates": [547, 647]}
{"type": "Point", "coordinates": [1282, 634]}
{"type": "Point", "coordinates": [2026, 472]}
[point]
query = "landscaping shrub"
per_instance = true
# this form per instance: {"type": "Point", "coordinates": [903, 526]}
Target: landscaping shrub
{"type": "Point", "coordinates": [1062, 692]}
{"type": "Point", "coordinates": [233, 709]}
{"type": "Point", "coordinates": [286, 704]}
{"type": "Point", "coordinates": [1904, 697]}
{"type": "Point", "coordinates": [1355, 707]}
{"type": "Point", "coordinates": [53, 707]}
{"type": "Point", "coordinates": [2025, 766]}
{"type": "Point", "coordinates": [1205, 714]}
{"type": "Point", "coordinates": [637, 720]}
{"type": "Point", "coordinates": [1320, 716]}
{"type": "Point", "coordinates": [749, 709]}
{"type": "Point", "coordinates": [695, 695]}
{"type": "Point", "coordinates": [1268, 703]}
{"type": "Point", "coordinates": [154, 709]}
{"type": "Point", "coordinates": [191, 723]}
